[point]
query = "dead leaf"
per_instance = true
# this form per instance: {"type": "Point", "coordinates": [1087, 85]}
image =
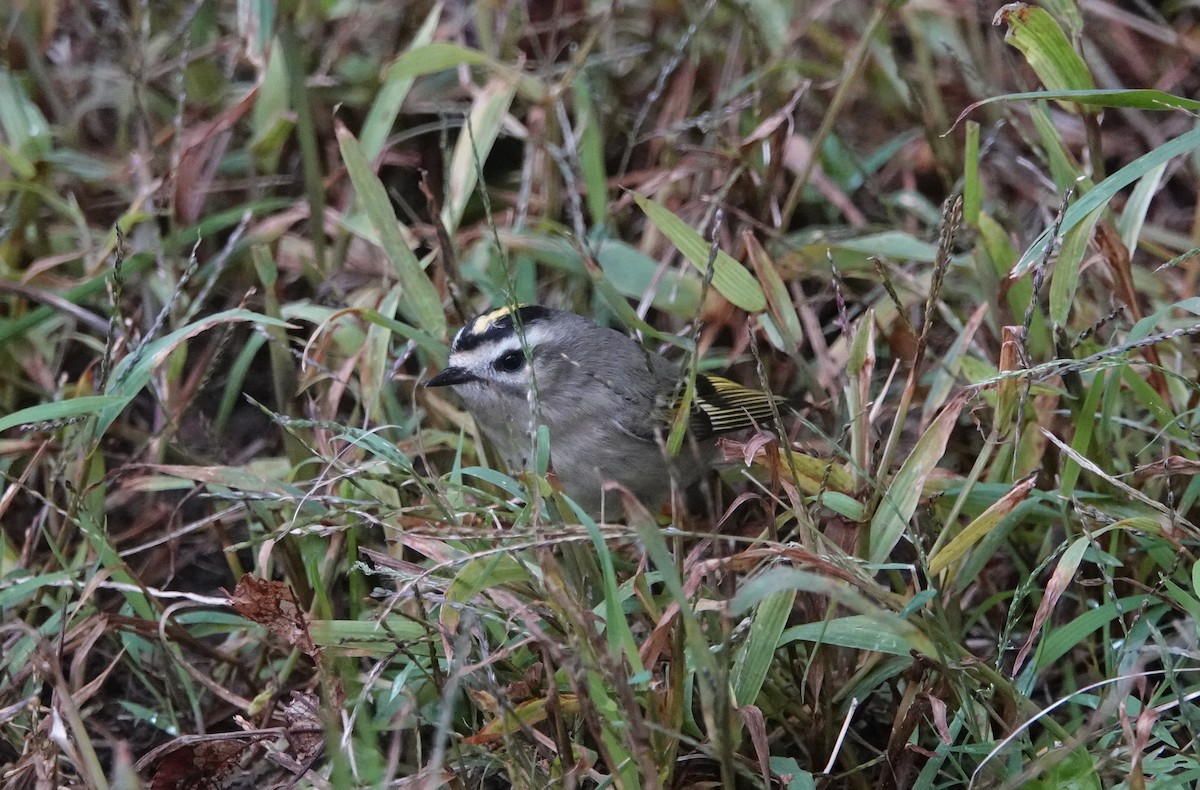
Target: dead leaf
{"type": "Point", "coordinates": [273, 605]}
{"type": "Point", "coordinates": [1064, 573]}
{"type": "Point", "coordinates": [305, 730]}
{"type": "Point", "coordinates": [198, 766]}
{"type": "Point", "coordinates": [202, 150]}
{"type": "Point", "coordinates": [756, 725]}
{"type": "Point", "coordinates": [1171, 465]}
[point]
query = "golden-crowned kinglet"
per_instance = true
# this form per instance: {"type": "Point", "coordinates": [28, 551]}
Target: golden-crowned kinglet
{"type": "Point", "coordinates": [606, 400]}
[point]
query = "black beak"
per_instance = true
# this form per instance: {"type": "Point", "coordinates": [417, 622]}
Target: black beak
{"type": "Point", "coordinates": [451, 377]}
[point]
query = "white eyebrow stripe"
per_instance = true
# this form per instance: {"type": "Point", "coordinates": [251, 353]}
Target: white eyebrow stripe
{"type": "Point", "coordinates": [477, 357]}
{"type": "Point", "coordinates": [484, 355]}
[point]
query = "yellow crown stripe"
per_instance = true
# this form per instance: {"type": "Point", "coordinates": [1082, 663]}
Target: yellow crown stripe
{"type": "Point", "coordinates": [483, 322]}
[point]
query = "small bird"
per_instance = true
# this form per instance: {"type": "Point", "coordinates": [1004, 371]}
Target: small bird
{"type": "Point", "coordinates": [607, 401]}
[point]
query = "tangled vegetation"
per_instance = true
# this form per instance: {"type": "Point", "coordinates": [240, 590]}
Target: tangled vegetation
{"type": "Point", "coordinates": [241, 546]}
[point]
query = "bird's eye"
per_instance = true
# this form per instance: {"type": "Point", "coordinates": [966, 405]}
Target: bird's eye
{"type": "Point", "coordinates": [510, 362]}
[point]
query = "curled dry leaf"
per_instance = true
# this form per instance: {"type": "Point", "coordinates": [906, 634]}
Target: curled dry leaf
{"type": "Point", "coordinates": [198, 766]}
{"type": "Point", "coordinates": [1171, 465]}
{"type": "Point", "coordinates": [273, 605]}
{"type": "Point", "coordinates": [756, 725]}
{"type": "Point", "coordinates": [202, 150]}
{"type": "Point", "coordinates": [305, 732]}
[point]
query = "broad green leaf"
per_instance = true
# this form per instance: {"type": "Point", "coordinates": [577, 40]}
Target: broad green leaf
{"type": "Point", "coordinates": [1083, 429]}
{"type": "Point", "coordinates": [590, 139]}
{"type": "Point", "coordinates": [133, 372]}
{"type": "Point", "coordinates": [1106, 189]}
{"type": "Point", "coordinates": [1134, 214]}
{"type": "Point", "coordinates": [972, 190]}
{"type": "Point", "coordinates": [860, 632]}
{"type": "Point", "coordinates": [757, 653]}
{"type": "Point", "coordinates": [1076, 771]}
{"type": "Point", "coordinates": [380, 448]}
{"type": "Point", "coordinates": [1062, 638]}
{"type": "Point", "coordinates": [440, 55]}
{"type": "Point", "coordinates": [614, 725]}
{"type": "Point", "coordinates": [499, 480]}
{"type": "Point", "coordinates": [269, 118]}
{"type": "Point", "coordinates": [899, 501]}
{"type": "Point", "coordinates": [772, 19]}
{"type": "Point", "coordinates": [616, 629]}
{"type": "Point", "coordinates": [437, 56]}
{"type": "Point", "coordinates": [1064, 169]}
{"type": "Point", "coordinates": [633, 274]}
{"type": "Point", "coordinates": [64, 206]}
{"type": "Point", "coordinates": [475, 142]}
{"type": "Point", "coordinates": [1136, 99]}
{"type": "Point", "coordinates": [249, 479]}
{"type": "Point", "coordinates": [419, 301]}
{"type": "Point", "coordinates": [1065, 279]}
{"type": "Point", "coordinates": [981, 526]}
{"type": "Point", "coordinates": [782, 316]}
{"type": "Point", "coordinates": [434, 347]}
{"type": "Point", "coordinates": [627, 269]}
{"type": "Point", "coordinates": [1185, 600]}
{"type": "Point", "coordinates": [814, 475]}
{"type": "Point", "coordinates": [893, 244]}
{"type": "Point", "coordinates": [26, 131]}
{"type": "Point", "coordinates": [373, 366]}
{"type": "Point", "coordinates": [1045, 47]}
{"type": "Point", "coordinates": [60, 410]}
{"type": "Point", "coordinates": [860, 370]}
{"type": "Point", "coordinates": [730, 278]}
{"type": "Point", "coordinates": [776, 580]}
{"type": "Point", "coordinates": [800, 778]}
{"type": "Point", "coordinates": [1068, 15]}
{"type": "Point", "coordinates": [371, 636]}
{"type": "Point", "coordinates": [497, 569]}
{"type": "Point", "coordinates": [397, 81]}
{"type": "Point", "coordinates": [18, 589]}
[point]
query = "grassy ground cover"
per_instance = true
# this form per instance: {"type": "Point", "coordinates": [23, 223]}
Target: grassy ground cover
{"type": "Point", "coordinates": [241, 546]}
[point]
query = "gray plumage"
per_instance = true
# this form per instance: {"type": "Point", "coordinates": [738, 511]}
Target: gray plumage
{"type": "Point", "coordinates": [606, 400]}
